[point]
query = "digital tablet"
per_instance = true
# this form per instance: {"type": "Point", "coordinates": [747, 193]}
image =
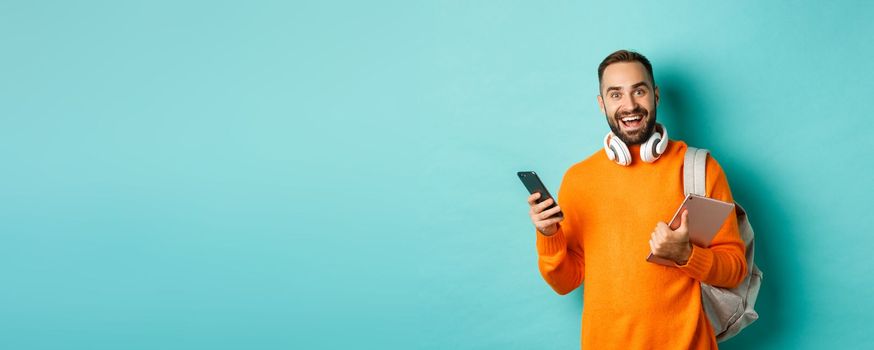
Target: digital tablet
{"type": "Point", "coordinates": [706, 216]}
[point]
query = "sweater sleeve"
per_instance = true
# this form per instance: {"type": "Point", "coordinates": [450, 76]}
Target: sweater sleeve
{"type": "Point", "coordinates": [560, 256]}
{"type": "Point", "coordinates": [723, 264]}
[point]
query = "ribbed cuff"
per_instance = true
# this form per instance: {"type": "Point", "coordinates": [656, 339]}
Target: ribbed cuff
{"type": "Point", "coordinates": [698, 266]}
{"type": "Point", "coordinates": [551, 245]}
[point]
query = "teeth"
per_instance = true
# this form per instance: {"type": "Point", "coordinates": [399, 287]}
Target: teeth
{"type": "Point", "coordinates": [628, 119]}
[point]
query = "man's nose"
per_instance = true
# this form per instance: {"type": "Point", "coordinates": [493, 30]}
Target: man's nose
{"type": "Point", "coordinates": [629, 103]}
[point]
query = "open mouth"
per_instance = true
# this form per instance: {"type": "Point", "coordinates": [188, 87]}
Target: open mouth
{"type": "Point", "coordinates": [632, 121]}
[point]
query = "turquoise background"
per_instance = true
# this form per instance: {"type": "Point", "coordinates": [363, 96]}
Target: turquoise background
{"type": "Point", "coordinates": [324, 175]}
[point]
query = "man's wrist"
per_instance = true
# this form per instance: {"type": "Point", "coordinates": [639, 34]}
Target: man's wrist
{"type": "Point", "coordinates": [552, 232]}
{"type": "Point", "coordinates": [683, 259]}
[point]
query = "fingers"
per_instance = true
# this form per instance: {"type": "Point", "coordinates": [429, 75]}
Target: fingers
{"type": "Point", "coordinates": [549, 212]}
{"type": "Point", "coordinates": [537, 208]}
{"type": "Point", "coordinates": [662, 230]}
{"type": "Point", "coordinates": [545, 204]}
{"type": "Point", "coordinates": [549, 222]}
{"type": "Point", "coordinates": [684, 219]}
{"type": "Point", "coordinates": [532, 199]}
{"type": "Point", "coordinates": [656, 239]}
{"type": "Point", "coordinates": [543, 219]}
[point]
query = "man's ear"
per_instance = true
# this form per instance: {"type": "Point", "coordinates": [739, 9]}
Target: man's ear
{"type": "Point", "coordinates": [601, 104]}
{"type": "Point", "coordinates": [657, 96]}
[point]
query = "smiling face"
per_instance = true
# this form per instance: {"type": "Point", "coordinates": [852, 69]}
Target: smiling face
{"type": "Point", "coordinates": [629, 100]}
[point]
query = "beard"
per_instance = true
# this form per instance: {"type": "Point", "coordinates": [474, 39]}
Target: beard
{"type": "Point", "coordinates": [638, 136]}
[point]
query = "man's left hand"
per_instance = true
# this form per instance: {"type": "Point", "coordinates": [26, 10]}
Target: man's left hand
{"type": "Point", "coordinates": [672, 244]}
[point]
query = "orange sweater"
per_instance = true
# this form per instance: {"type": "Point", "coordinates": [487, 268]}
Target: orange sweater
{"type": "Point", "coordinates": [610, 212]}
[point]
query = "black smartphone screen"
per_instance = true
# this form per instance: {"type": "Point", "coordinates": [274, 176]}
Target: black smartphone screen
{"type": "Point", "coordinates": [533, 184]}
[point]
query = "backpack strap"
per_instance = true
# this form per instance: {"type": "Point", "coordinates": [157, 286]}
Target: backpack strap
{"type": "Point", "coordinates": [695, 171]}
{"type": "Point", "coordinates": [729, 310]}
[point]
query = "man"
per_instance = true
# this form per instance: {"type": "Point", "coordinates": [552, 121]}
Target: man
{"type": "Point", "coordinates": [614, 203]}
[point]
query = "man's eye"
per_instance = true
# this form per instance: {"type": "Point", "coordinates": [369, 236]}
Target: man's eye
{"type": "Point", "coordinates": [640, 92]}
{"type": "Point", "coordinates": [614, 95]}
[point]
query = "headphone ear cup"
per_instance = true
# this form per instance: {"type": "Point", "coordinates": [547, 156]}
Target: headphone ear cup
{"type": "Point", "coordinates": [616, 150]}
{"type": "Point", "coordinates": [662, 146]}
{"type": "Point", "coordinates": [623, 155]}
{"type": "Point", "coordinates": [653, 148]}
{"type": "Point", "coordinates": [648, 149]}
{"type": "Point", "coordinates": [611, 153]}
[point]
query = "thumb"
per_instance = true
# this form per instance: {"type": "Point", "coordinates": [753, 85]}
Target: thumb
{"type": "Point", "coordinates": [684, 220]}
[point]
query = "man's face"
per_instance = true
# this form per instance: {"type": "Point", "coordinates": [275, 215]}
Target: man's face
{"type": "Point", "coordinates": [629, 101]}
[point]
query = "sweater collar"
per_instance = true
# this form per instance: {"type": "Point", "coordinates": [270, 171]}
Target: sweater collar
{"type": "Point", "coordinates": [635, 153]}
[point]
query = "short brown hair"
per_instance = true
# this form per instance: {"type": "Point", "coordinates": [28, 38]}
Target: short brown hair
{"type": "Point", "coordinates": [625, 56]}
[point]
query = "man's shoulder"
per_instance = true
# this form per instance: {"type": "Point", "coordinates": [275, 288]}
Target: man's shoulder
{"type": "Point", "coordinates": [583, 170]}
{"type": "Point", "coordinates": [595, 160]}
{"type": "Point", "coordinates": [682, 147]}
{"type": "Point", "coordinates": [676, 148]}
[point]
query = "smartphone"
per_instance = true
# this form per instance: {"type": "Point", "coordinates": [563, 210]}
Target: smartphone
{"type": "Point", "coordinates": [533, 184]}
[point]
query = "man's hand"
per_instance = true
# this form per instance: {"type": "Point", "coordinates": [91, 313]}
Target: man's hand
{"type": "Point", "coordinates": [670, 244]}
{"type": "Point", "coordinates": [541, 218]}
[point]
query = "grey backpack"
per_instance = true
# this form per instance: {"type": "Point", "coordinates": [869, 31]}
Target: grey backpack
{"type": "Point", "coordinates": [729, 309]}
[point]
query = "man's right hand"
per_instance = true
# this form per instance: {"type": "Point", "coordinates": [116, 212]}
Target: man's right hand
{"type": "Point", "coordinates": [542, 218]}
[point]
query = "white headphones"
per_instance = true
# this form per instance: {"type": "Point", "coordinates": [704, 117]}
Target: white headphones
{"type": "Point", "coordinates": [650, 151]}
